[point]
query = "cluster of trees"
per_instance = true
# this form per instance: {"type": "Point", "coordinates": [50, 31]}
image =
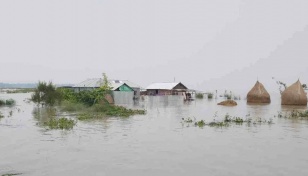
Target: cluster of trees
{"type": "Point", "coordinates": [46, 94]}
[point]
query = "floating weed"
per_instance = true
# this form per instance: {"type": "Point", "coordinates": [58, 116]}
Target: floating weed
{"type": "Point", "coordinates": [294, 114]}
{"type": "Point", "coordinates": [188, 120]}
{"type": "Point", "coordinates": [228, 120]}
{"type": "Point", "coordinates": [61, 123]}
{"type": "Point", "coordinates": [200, 123]}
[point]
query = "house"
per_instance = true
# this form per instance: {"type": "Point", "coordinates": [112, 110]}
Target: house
{"type": "Point", "coordinates": [134, 86]}
{"type": "Point", "coordinates": [122, 93]}
{"type": "Point", "coordinates": [174, 88]}
{"type": "Point", "coordinates": [94, 83]}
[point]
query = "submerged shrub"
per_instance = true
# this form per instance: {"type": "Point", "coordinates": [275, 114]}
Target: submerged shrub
{"type": "Point", "coordinates": [46, 94]}
{"type": "Point", "coordinates": [210, 95]}
{"type": "Point", "coordinates": [199, 95]}
{"type": "Point", "coordinates": [10, 102]}
{"type": "Point", "coordinates": [2, 102]}
{"type": "Point", "coordinates": [62, 123]}
{"type": "Point", "coordinates": [200, 123]}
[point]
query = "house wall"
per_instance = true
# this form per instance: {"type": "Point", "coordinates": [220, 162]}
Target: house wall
{"type": "Point", "coordinates": [164, 92]}
{"type": "Point", "coordinates": [136, 93]}
{"type": "Point", "coordinates": [122, 98]}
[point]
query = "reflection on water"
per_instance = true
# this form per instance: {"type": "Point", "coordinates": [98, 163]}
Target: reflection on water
{"type": "Point", "coordinates": [156, 143]}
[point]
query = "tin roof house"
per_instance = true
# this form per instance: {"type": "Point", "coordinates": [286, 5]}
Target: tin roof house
{"type": "Point", "coordinates": [95, 83]}
{"type": "Point", "coordinates": [174, 88]}
{"type": "Point", "coordinates": [122, 92]}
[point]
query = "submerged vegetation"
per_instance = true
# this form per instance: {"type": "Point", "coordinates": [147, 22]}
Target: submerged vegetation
{"type": "Point", "coordinates": [227, 121]}
{"type": "Point", "coordinates": [8, 102]}
{"type": "Point", "coordinates": [61, 123]}
{"type": "Point", "coordinates": [210, 95]}
{"type": "Point", "coordinates": [199, 95]}
{"type": "Point", "coordinates": [85, 104]}
{"type": "Point", "coordinates": [295, 114]}
{"type": "Point", "coordinates": [46, 94]}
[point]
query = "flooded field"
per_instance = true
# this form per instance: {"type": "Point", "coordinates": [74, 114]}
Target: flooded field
{"type": "Point", "coordinates": [158, 143]}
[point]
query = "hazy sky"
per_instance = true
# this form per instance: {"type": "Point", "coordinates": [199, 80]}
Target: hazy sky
{"type": "Point", "coordinates": [145, 41]}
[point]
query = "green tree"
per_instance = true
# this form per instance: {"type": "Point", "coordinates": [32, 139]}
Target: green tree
{"type": "Point", "coordinates": [46, 94]}
{"type": "Point", "coordinates": [304, 86]}
{"type": "Point", "coordinates": [103, 90]}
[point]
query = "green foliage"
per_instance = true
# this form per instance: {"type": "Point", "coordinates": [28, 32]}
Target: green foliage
{"type": "Point", "coordinates": [2, 102]}
{"type": "Point", "coordinates": [88, 98]}
{"type": "Point", "coordinates": [199, 95]}
{"type": "Point", "coordinates": [1, 115]}
{"type": "Point", "coordinates": [304, 86]}
{"type": "Point", "coordinates": [46, 94]}
{"type": "Point", "coordinates": [62, 123]}
{"type": "Point", "coordinates": [210, 95]}
{"type": "Point", "coordinates": [9, 102]}
{"type": "Point", "coordinates": [295, 114]}
{"type": "Point", "coordinates": [200, 123]}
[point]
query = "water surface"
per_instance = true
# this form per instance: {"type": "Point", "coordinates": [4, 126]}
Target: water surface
{"type": "Point", "coordinates": [157, 143]}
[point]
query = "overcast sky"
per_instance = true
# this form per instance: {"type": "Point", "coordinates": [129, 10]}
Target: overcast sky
{"type": "Point", "coordinates": [145, 41]}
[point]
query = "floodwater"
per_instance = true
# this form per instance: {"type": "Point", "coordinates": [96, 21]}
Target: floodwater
{"type": "Point", "coordinates": [157, 143]}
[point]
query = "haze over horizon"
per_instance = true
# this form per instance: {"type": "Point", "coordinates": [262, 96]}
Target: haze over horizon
{"type": "Point", "coordinates": [204, 44]}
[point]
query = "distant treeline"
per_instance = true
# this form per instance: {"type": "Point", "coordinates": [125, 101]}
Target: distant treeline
{"type": "Point", "coordinates": [24, 85]}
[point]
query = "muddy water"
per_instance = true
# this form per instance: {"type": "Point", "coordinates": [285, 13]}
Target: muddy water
{"type": "Point", "coordinates": [156, 143]}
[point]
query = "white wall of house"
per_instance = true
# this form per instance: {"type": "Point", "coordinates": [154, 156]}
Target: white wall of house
{"type": "Point", "coordinates": [123, 98]}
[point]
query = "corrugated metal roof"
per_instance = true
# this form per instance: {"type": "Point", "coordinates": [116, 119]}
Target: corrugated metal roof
{"type": "Point", "coordinates": [131, 84]}
{"type": "Point", "coordinates": [94, 82]}
{"type": "Point", "coordinates": [164, 86]}
{"type": "Point", "coordinates": [98, 82]}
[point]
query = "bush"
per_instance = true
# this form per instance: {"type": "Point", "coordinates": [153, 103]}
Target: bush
{"type": "Point", "coordinates": [46, 94]}
{"type": "Point", "coordinates": [10, 102]}
{"type": "Point", "coordinates": [210, 95]}
{"type": "Point", "coordinates": [199, 95]}
{"type": "Point", "coordinates": [2, 102]}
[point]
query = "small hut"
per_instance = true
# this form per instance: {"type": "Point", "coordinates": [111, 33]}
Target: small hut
{"type": "Point", "coordinates": [294, 95]}
{"type": "Point", "coordinates": [258, 94]}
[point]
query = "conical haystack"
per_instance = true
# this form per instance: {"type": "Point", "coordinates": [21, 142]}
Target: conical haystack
{"type": "Point", "coordinates": [258, 94]}
{"type": "Point", "coordinates": [294, 95]}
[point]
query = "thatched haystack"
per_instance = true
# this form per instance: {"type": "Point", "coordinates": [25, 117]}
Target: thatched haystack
{"type": "Point", "coordinates": [258, 94]}
{"type": "Point", "coordinates": [294, 95]}
{"type": "Point", "coordinates": [228, 103]}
